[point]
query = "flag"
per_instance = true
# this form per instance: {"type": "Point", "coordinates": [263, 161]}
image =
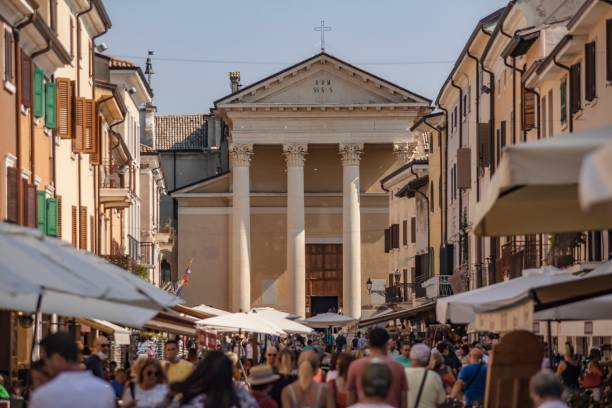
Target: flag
{"type": "Point", "coordinates": [184, 281]}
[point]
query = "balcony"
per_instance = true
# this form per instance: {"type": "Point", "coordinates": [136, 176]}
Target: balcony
{"type": "Point", "coordinates": [437, 286]}
{"type": "Point", "coordinates": [114, 191]}
{"type": "Point", "coordinates": [141, 253]}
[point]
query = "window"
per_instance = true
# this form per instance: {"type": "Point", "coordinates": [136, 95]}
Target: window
{"type": "Point", "coordinates": [465, 104]}
{"type": "Point", "coordinates": [563, 101]}
{"type": "Point", "coordinates": [26, 80]}
{"type": "Point", "coordinates": [83, 228]}
{"type": "Point", "coordinates": [543, 118]}
{"type": "Point", "coordinates": [575, 97]}
{"type": "Point", "coordinates": [551, 110]}
{"type": "Point", "coordinates": [12, 191]}
{"type": "Point", "coordinates": [609, 50]}
{"type": "Point", "coordinates": [395, 236]}
{"type": "Point", "coordinates": [53, 14]}
{"type": "Point", "coordinates": [405, 232]}
{"type": "Point", "coordinates": [9, 43]}
{"type": "Point", "coordinates": [455, 117]}
{"type": "Point", "coordinates": [413, 230]}
{"type": "Point", "coordinates": [590, 87]}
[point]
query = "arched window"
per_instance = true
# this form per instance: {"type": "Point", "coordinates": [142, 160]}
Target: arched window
{"type": "Point", "coordinates": [166, 272]}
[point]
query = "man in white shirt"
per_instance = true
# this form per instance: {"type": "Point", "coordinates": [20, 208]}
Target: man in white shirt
{"type": "Point", "coordinates": [424, 384]}
{"type": "Point", "coordinates": [71, 386]}
{"type": "Point", "coordinates": [546, 390]}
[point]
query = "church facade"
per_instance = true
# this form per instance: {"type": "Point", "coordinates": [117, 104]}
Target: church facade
{"type": "Point", "coordinates": [298, 221]}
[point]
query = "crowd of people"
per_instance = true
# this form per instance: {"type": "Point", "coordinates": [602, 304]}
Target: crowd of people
{"type": "Point", "coordinates": [368, 371]}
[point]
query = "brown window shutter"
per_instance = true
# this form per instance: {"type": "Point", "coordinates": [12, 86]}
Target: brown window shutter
{"type": "Point", "coordinates": [12, 199]}
{"type": "Point", "coordinates": [395, 236]}
{"type": "Point", "coordinates": [405, 232]}
{"type": "Point", "coordinates": [88, 126]}
{"type": "Point", "coordinates": [483, 144]}
{"type": "Point", "coordinates": [59, 216]}
{"type": "Point", "coordinates": [413, 230]}
{"type": "Point", "coordinates": [31, 220]}
{"type": "Point", "coordinates": [26, 80]}
{"type": "Point", "coordinates": [387, 240]}
{"type": "Point", "coordinates": [464, 170]}
{"type": "Point", "coordinates": [575, 97]}
{"type": "Point", "coordinates": [609, 50]}
{"type": "Point", "coordinates": [590, 86]}
{"type": "Point", "coordinates": [92, 234]}
{"type": "Point", "coordinates": [96, 156]}
{"type": "Point", "coordinates": [71, 37]}
{"type": "Point", "coordinates": [65, 107]}
{"type": "Point", "coordinates": [529, 109]}
{"type": "Point", "coordinates": [78, 143]}
{"type": "Point", "coordinates": [75, 228]}
{"type": "Point", "coordinates": [83, 228]}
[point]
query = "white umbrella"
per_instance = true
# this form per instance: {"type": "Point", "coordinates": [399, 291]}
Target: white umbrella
{"type": "Point", "coordinates": [535, 188]}
{"type": "Point", "coordinates": [248, 322]}
{"type": "Point", "coordinates": [280, 319]}
{"type": "Point", "coordinates": [596, 179]}
{"type": "Point", "coordinates": [278, 313]}
{"type": "Point", "coordinates": [47, 274]}
{"type": "Point", "coordinates": [210, 310]}
{"type": "Point", "coordinates": [325, 320]}
{"type": "Point", "coordinates": [461, 308]}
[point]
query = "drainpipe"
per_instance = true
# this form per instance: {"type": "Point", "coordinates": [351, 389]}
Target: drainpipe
{"type": "Point", "coordinates": [460, 120]}
{"type": "Point", "coordinates": [444, 166]}
{"type": "Point", "coordinates": [20, 192]}
{"type": "Point", "coordinates": [477, 62]}
{"type": "Point", "coordinates": [437, 129]}
{"type": "Point", "coordinates": [491, 116]}
{"type": "Point", "coordinates": [571, 92]}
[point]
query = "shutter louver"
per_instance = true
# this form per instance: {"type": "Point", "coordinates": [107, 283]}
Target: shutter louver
{"type": "Point", "coordinates": [41, 207]}
{"type": "Point", "coordinates": [89, 118]}
{"type": "Point", "coordinates": [79, 113]}
{"type": "Point", "coordinates": [83, 228]}
{"type": "Point", "coordinates": [59, 216]}
{"type": "Point", "coordinates": [50, 106]}
{"type": "Point", "coordinates": [12, 199]}
{"type": "Point", "coordinates": [30, 210]}
{"type": "Point", "coordinates": [575, 97]}
{"type": "Point", "coordinates": [483, 144]}
{"type": "Point", "coordinates": [590, 87]}
{"type": "Point", "coordinates": [38, 92]}
{"type": "Point", "coordinates": [395, 236]}
{"type": "Point", "coordinates": [529, 111]}
{"type": "Point", "coordinates": [387, 240]}
{"type": "Point", "coordinates": [26, 80]}
{"type": "Point", "coordinates": [464, 168]}
{"type": "Point", "coordinates": [96, 156]}
{"type": "Point", "coordinates": [64, 107]}
{"type": "Point", "coordinates": [413, 230]}
{"type": "Point", "coordinates": [405, 232]}
{"type": "Point", "coordinates": [75, 228]}
{"type": "Point", "coordinates": [52, 217]}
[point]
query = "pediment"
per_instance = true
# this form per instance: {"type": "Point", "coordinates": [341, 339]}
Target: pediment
{"type": "Point", "coordinates": [216, 184]}
{"type": "Point", "coordinates": [323, 80]}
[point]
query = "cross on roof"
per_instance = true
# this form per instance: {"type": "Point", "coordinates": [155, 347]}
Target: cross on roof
{"type": "Point", "coordinates": [322, 28]}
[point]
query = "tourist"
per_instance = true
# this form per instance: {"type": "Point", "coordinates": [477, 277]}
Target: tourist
{"type": "Point", "coordinates": [404, 357]}
{"type": "Point", "coordinates": [450, 357]}
{"type": "Point", "coordinates": [393, 349]}
{"type": "Point", "coordinates": [175, 367]}
{"type": "Point", "coordinates": [332, 372]}
{"type": "Point", "coordinates": [546, 390]}
{"type": "Point", "coordinates": [237, 370]}
{"type": "Point", "coordinates": [260, 380]}
{"type": "Point", "coordinates": [95, 362]}
{"type": "Point", "coordinates": [340, 342]}
{"type": "Point", "coordinates": [378, 339]}
{"type": "Point", "coordinates": [426, 388]}
{"type": "Point", "coordinates": [438, 365]}
{"type": "Point", "coordinates": [569, 369]}
{"type": "Point", "coordinates": [148, 388]}
{"type": "Point", "coordinates": [592, 379]}
{"type": "Point", "coordinates": [361, 343]}
{"type": "Point", "coordinates": [284, 364]}
{"type": "Point", "coordinates": [192, 356]}
{"type": "Point", "coordinates": [337, 385]}
{"type": "Point", "coordinates": [4, 394]}
{"type": "Point", "coordinates": [305, 392]}
{"type": "Point", "coordinates": [39, 374]}
{"type": "Point", "coordinates": [472, 379]}
{"type": "Point", "coordinates": [271, 353]}
{"type": "Point", "coordinates": [71, 386]}
{"type": "Point", "coordinates": [211, 385]}
{"type": "Point", "coordinates": [118, 382]}
{"type": "Point", "coordinates": [375, 382]}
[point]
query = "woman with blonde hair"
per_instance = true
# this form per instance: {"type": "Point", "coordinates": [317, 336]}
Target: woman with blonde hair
{"type": "Point", "coordinates": [148, 387]}
{"type": "Point", "coordinates": [305, 392]}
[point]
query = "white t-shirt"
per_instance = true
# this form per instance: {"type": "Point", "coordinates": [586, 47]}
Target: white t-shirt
{"type": "Point", "coordinates": [433, 390]}
{"type": "Point", "coordinates": [74, 389]}
{"type": "Point", "coordinates": [146, 398]}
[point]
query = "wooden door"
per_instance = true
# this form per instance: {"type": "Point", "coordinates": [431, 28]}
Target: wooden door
{"type": "Point", "coordinates": [323, 272]}
{"type": "Point", "coordinates": [514, 360]}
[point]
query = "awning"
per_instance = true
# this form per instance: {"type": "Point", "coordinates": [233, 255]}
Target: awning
{"type": "Point", "coordinates": [400, 314]}
{"type": "Point", "coordinates": [120, 334]}
{"type": "Point", "coordinates": [535, 188]}
{"type": "Point", "coordinates": [197, 312]}
{"type": "Point", "coordinates": [172, 323]}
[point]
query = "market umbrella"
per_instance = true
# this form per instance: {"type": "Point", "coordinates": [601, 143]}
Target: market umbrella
{"type": "Point", "coordinates": [280, 319]}
{"type": "Point", "coordinates": [596, 179]}
{"type": "Point", "coordinates": [535, 188]}
{"type": "Point", "coordinates": [278, 313]}
{"type": "Point", "coordinates": [210, 310]}
{"type": "Point", "coordinates": [461, 308]}
{"type": "Point", "coordinates": [248, 322]}
{"type": "Point", "coordinates": [325, 320]}
{"type": "Point", "coordinates": [40, 273]}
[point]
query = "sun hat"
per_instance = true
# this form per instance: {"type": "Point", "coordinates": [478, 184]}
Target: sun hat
{"type": "Point", "coordinates": [262, 374]}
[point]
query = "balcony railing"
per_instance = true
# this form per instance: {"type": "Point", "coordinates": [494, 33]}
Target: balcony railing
{"type": "Point", "coordinates": [438, 286]}
{"type": "Point", "coordinates": [133, 249]}
{"type": "Point", "coordinates": [147, 253]}
{"type": "Point", "coordinates": [113, 176]}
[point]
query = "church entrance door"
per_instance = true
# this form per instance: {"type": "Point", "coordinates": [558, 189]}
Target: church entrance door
{"type": "Point", "coordinates": [323, 277]}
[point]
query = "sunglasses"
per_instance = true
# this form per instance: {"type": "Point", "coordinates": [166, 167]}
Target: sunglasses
{"type": "Point", "coordinates": [151, 373]}
{"type": "Point", "coordinates": [271, 355]}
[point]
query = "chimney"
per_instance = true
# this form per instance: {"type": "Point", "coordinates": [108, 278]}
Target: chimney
{"type": "Point", "coordinates": [234, 77]}
{"type": "Point", "coordinates": [147, 125]}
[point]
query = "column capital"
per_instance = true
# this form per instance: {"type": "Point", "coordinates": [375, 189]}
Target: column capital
{"type": "Point", "coordinates": [295, 154]}
{"type": "Point", "coordinates": [240, 154]}
{"type": "Point", "coordinates": [351, 153]}
{"type": "Point", "coordinates": [403, 151]}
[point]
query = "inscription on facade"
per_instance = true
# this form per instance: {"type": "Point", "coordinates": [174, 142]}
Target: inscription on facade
{"type": "Point", "coordinates": [323, 86]}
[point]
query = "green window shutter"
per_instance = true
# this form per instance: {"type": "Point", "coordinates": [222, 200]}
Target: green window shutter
{"type": "Point", "coordinates": [39, 77]}
{"type": "Point", "coordinates": [41, 211]}
{"type": "Point", "coordinates": [50, 106]}
{"type": "Point", "coordinates": [52, 212]}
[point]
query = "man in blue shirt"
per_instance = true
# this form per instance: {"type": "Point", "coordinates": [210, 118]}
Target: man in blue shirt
{"type": "Point", "coordinates": [118, 382]}
{"type": "Point", "coordinates": [472, 379]}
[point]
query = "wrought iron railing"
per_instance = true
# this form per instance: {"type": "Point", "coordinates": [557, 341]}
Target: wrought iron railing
{"type": "Point", "coordinates": [147, 253]}
{"type": "Point", "coordinates": [133, 249]}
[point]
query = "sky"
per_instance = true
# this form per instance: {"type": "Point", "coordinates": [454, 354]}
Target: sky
{"type": "Point", "coordinates": [197, 42]}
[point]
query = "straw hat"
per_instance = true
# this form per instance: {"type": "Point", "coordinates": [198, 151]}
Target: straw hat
{"type": "Point", "coordinates": [262, 374]}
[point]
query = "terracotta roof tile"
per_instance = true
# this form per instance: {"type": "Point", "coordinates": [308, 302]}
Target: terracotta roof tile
{"type": "Point", "coordinates": [181, 132]}
{"type": "Point", "coordinates": [119, 63]}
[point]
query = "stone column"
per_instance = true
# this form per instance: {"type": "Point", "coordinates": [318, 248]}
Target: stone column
{"type": "Point", "coordinates": [240, 278]}
{"type": "Point", "coordinates": [296, 234]}
{"type": "Point", "coordinates": [351, 230]}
